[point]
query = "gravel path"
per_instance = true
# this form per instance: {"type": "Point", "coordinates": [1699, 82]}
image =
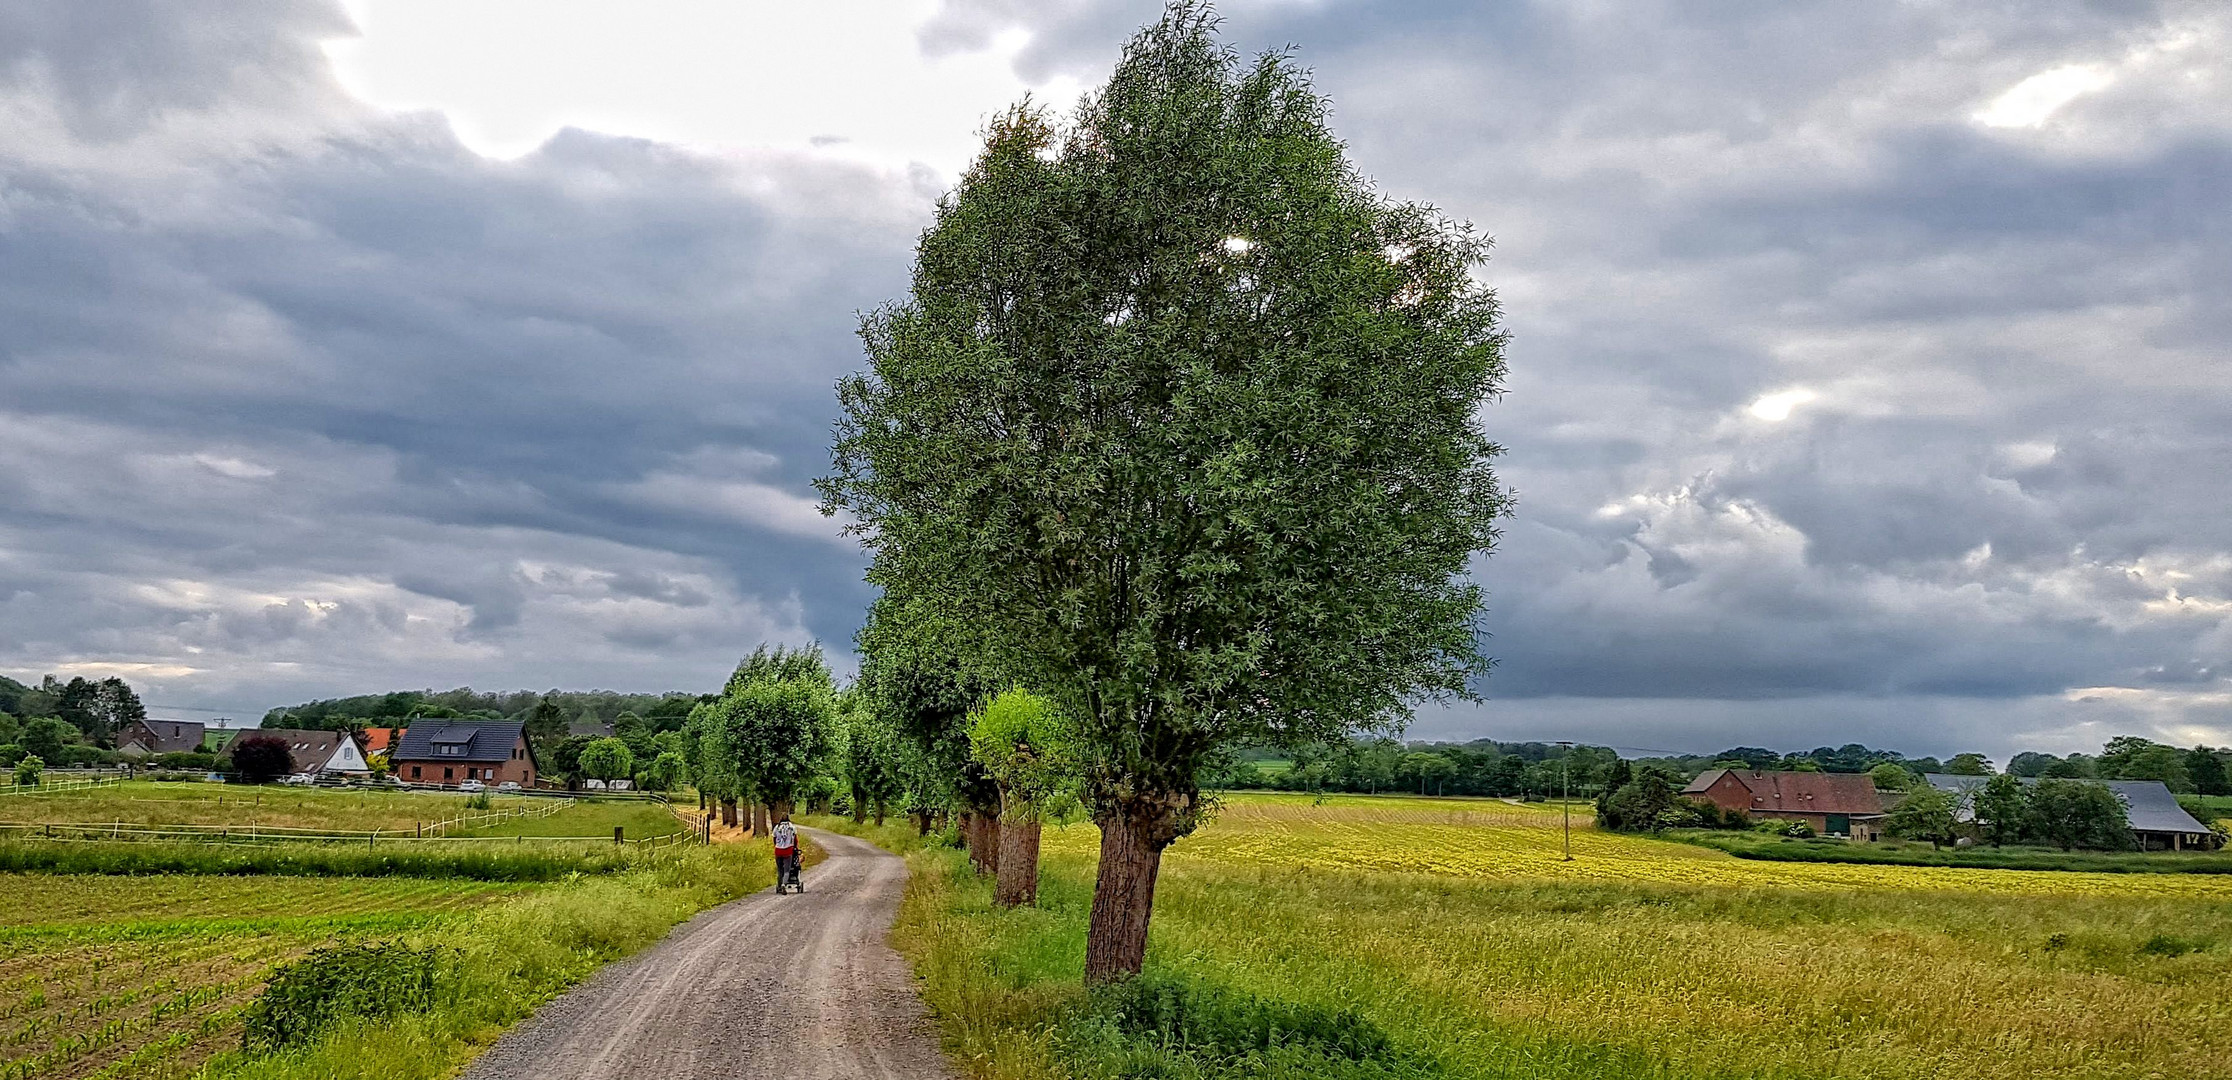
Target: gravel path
{"type": "Point", "coordinates": [799, 986]}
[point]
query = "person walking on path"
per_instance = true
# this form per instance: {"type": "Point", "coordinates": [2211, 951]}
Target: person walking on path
{"type": "Point", "coordinates": [785, 836]}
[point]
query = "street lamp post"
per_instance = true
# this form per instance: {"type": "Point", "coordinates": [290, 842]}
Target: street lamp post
{"type": "Point", "coordinates": [1565, 792]}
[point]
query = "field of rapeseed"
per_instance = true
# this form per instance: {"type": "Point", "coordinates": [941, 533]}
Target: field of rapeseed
{"type": "Point", "coordinates": [1455, 933]}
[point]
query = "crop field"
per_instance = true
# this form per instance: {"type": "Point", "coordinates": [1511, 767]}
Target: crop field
{"type": "Point", "coordinates": [150, 803]}
{"type": "Point", "coordinates": [1494, 839]}
{"type": "Point", "coordinates": [1473, 949]}
{"type": "Point", "coordinates": [145, 977]}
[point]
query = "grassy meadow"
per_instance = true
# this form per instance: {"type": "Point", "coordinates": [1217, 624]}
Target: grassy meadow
{"type": "Point", "coordinates": [1431, 937]}
{"type": "Point", "coordinates": [145, 802]}
{"type": "Point", "coordinates": [638, 820]}
{"type": "Point", "coordinates": [145, 968]}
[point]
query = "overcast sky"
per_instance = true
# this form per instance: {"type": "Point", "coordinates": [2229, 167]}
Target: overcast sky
{"type": "Point", "coordinates": [1871, 370]}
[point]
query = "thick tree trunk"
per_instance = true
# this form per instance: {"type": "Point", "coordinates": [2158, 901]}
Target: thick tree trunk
{"type": "Point", "coordinates": [981, 832]}
{"type": "Point", "coordinates": [760, 822]}
{"type": "Point", "coordinates": [922, 823]}
{"type": "Point", "coordinates": [1123, 900]}
{"type": "Point", "coordinates": [860, 807]}
{"type": "Point", "coordinates": [879, 813]}
{"type": "Point", "coordinates": [1018, 870]}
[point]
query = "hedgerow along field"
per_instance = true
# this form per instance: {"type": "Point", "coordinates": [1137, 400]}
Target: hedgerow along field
{"type": "Point", "coordinates": [1426, 938]}
{"type": "Point", "coordinates": [115, 975]}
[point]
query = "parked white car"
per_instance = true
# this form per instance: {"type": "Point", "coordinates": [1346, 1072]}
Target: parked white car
{"type": "Point", "coordinates": [622, 785]}
{"type": "Point", "coordinates": [593, 785]}
{"type": "Point", "coordinates": [472, 787]}
{"type": "Point", "coordinates": [300, 779]}
{"type": "Point", "coordinates": [508, 786]}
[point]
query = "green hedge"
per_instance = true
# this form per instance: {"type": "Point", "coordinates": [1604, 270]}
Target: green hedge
{"type": "Point", "coordinates": [1772, 849]}
{"type": "Point", "coordinates": [304, 860]}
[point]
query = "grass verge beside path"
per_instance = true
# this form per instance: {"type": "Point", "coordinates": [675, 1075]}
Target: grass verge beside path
{"type": "Point", "coordinates": [1822, 850]}
{"type": "Point", "coordinates": [510, 958]}
{"type": "Point", "coordinates": [1720, 968]}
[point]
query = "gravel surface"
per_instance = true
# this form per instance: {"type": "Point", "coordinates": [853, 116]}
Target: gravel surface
{"type": "Point", "coordinates": [800, 986]}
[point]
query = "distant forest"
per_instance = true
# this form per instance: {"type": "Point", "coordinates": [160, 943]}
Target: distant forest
{"type": "Point", "coordinates": [549, 711]}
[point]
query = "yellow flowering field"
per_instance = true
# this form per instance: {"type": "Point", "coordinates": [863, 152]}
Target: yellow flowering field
{"type": "Point", "coordinates": [1456, 927]}
{"type": "Point", "coordinates": [1488, 838]}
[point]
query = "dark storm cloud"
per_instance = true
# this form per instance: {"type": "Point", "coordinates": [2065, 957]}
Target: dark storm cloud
{"type": "Point", "coordinates": [297, 397]}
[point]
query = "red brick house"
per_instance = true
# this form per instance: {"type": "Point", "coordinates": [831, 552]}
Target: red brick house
{"type": "Point", "coordinates": [450, 752]}
{"type": "Point", "coordinates": [1834, 804]}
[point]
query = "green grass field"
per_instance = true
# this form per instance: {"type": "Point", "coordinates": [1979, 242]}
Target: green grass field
{"type": "Point", "coordinates": [143, 969]}
{"type": "Point", "coordinates": [591, 817]}
{"type": "Point", "coordinates": [1431, 938]}
{"type": "Point", "coordinates": [144, 802]}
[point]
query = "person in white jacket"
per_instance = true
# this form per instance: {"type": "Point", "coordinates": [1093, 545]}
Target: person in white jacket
{"type": "Point", "coordinates": [785, 836]}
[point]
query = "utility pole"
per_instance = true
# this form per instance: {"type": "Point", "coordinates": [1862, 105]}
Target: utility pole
{"type": "Point", "coordinates": [1565, 791]}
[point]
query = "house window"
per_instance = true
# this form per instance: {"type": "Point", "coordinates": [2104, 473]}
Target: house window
{"type": "Point", "coordinates": [448, 774]}
{"type": "Point", "coordinates": [414, 772]}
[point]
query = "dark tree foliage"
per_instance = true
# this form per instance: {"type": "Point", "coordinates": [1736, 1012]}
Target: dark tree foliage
{"type": "Point", "coordinates": [2078, 813]}
{"type": "Point", "coordinates": [1185, 415]}
{"type": "Point", "coordinates": [260, 759]}
{"type": "Point", "coordinates": [2002, 809]}
{"type": "Point", "coordinates": [2206, 766]}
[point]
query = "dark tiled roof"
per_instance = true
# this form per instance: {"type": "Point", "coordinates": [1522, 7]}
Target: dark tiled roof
{"type": "Point", "coordinates": [1800, 792]}
{"type": "Point", "coordinates": [165, 736]}
{"type": "Point", "coordinates": [483, 740]}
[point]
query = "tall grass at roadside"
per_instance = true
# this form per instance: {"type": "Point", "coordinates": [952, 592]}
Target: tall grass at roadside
{"type": "Point", "coordinates": [511, 958]}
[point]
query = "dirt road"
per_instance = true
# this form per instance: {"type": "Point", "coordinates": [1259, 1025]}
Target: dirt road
{"type": "Point", "coordinates": [796, 986]}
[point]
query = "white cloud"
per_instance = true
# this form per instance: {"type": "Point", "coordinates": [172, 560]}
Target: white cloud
{"type": "Point", "coordinates": [843, 77]}
{"type": "Point", "coordinates": [1775, 408]}
{"type": "Point", "coordinates": [2031, 102]}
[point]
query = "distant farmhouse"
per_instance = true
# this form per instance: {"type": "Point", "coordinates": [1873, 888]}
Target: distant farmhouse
{"type": "Point", "coordinates": [146, 738]}
{"type": "Point", "coordinates": [311, 753]}
{"type": "Point", "coordinates": [2157, 821]}
{"type": "Point", "coordinates": [451, 752]}
{"type": "Point", "coordinates": [1832, 804]}
{"type": "Point", "coordinates": [380, 740]}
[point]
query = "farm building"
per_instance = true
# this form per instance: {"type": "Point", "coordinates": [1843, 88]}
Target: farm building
{"type": "Point", "coordinates": [454, 751]}
{"type": "Point", "coordinates": [1833, 804]}
{"type": "Point", "coordinates": [215, 739]}
{"type": "Point", "coordinates": [2157, 821]}
{"type": "Point", "coordinates": [146, 738]}
{"type": "Point", "coordinates": [380, 740]}
{"type": "Point", "coordinates": [312, 753]}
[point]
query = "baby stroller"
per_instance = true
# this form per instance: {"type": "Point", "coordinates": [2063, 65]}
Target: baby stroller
{"type": "Point", "coordinates": [786, 873]}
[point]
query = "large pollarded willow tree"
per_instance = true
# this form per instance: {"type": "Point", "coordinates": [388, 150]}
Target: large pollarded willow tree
{"type": "Point", "coordinates": [1182, 420]}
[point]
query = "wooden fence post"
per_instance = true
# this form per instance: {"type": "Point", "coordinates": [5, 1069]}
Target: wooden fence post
{"type": "Point", "coordinates": [616, 834]}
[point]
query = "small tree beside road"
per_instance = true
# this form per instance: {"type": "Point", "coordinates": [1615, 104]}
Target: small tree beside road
{"type": "Point", "coordinates": [1027, 747]}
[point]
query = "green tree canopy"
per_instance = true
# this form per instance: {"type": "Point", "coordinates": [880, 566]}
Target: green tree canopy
{"type": "Point", "coordinates": [772, 730]}
{"type": "Point", "coordinates": [2002, 810]}
{"type": "Point", "coordinates": [1185, 415]}
{"type": "Point", "coordinates": [1926, 813]}
{"type": "Point", "coordinates": [1027, 746]}
{"type": "Point", "coordinates": [2079, 813]}
{"type": "Point", "coordinates": [1891, 776]}
{"type": "Point", "coordinates": [608, 759]}
{"type": "Point", "coordinates": [1969, 765]}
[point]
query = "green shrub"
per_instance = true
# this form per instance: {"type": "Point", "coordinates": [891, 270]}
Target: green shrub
{"type": "Point", "coordinates": [27, 770]}
{"type": "Point", "coordinates": [1164, 1025]}
{"type": "Point", "coordinates": [10, 753]}
{"type": "Point", "coordinates": [479, 800]}
{"type": "Point", "coordinates": [479, 863]}
{"type": "Point", "coordinates": [339, 982]}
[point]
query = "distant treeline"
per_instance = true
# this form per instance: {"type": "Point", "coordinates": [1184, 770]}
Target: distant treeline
{"type": "Point", "coordinates": [548, 713]}
{"type": "Point", "coordinates": [1536, 769]}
